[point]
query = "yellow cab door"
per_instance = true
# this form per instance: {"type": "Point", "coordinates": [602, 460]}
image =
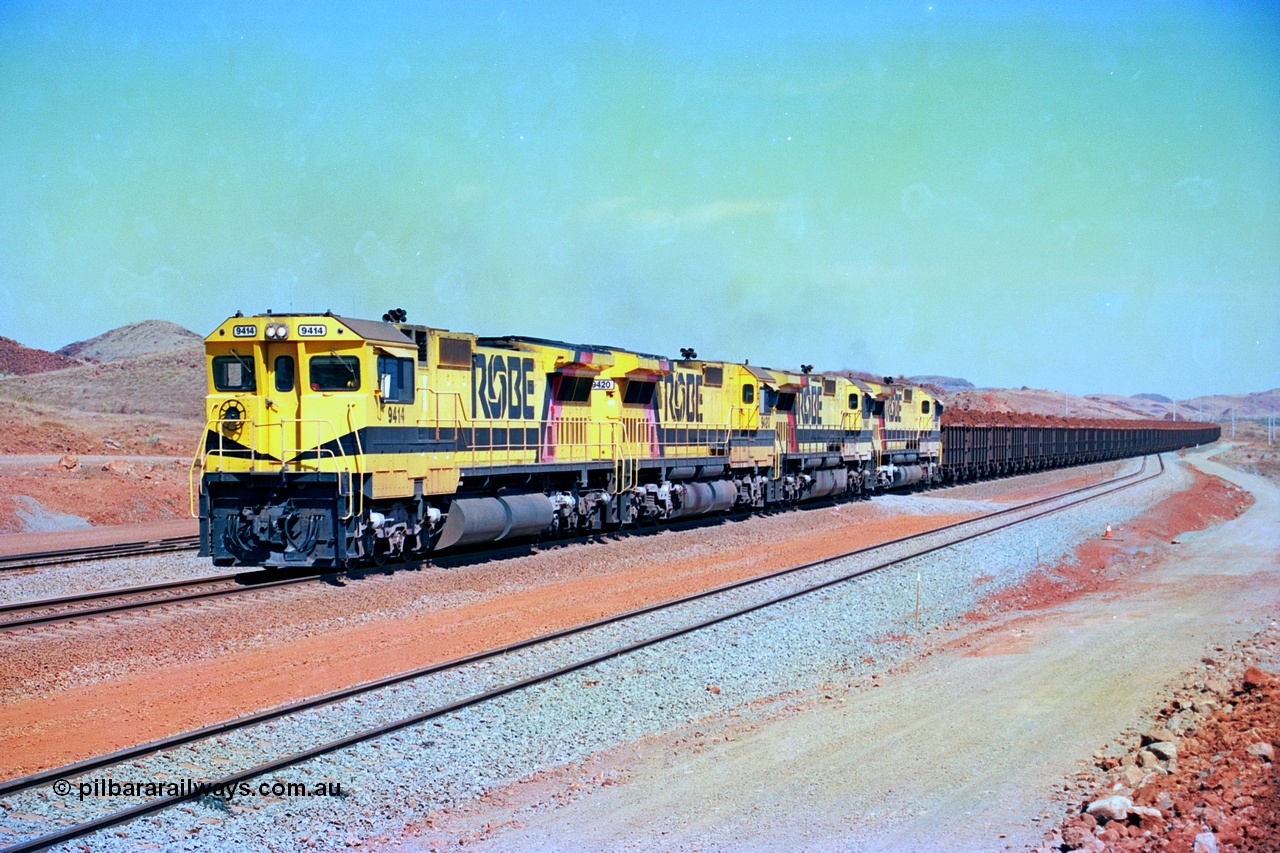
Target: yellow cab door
{"type": "Point", "coordinates": [284, 401]}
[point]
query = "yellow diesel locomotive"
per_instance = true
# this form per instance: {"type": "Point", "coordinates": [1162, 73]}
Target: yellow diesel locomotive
{"type": "Point", "coordinates": [331, 440]}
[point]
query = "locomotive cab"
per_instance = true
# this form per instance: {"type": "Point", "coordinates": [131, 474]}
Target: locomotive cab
{"type": "Point", "coordinates": [293, 401]}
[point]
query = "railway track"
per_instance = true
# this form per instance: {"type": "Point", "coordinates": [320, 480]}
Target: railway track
{"type": "Point", "coordinates": [82, 606]}
{"type": "Point", "coordinates": [35, 559]}
{"type": "Point", "coordinates": [919, 544]}
{"type": "Point", "coordinates": [71, 608]}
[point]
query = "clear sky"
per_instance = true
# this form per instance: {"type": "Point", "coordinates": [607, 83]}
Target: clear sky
{"type": "Point", "coordinates": [1082, 196]}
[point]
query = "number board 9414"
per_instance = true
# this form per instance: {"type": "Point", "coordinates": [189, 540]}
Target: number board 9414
{"type": "Point", "coordinates": [312, 331]}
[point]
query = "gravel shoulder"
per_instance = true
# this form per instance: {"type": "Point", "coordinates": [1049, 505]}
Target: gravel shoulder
{"type": "Point", "coordinates": [967, 746]}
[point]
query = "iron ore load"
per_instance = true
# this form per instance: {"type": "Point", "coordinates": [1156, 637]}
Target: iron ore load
{"type": "Point", "coordinates": [332, 441]}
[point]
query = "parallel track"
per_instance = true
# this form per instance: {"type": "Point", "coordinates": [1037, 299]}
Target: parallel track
{"type": "Point", "coordinates": [98, 552]}
{"type": "Point", "coordinates": [1113, 486]}
{"type": "Point", "coordinates": [81, 606]}
{"type": "Point", "coordinates": [69, 608]}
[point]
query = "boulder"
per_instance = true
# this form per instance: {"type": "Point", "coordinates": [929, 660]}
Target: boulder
{"type": "Point", "coordinates": [1263, 750]}
{"type": "Point", "coordinates": [1155, 734]}
{"type": "Point", "coordinates": [1255, 678]}
{"type": "Point", "coordinates": [1110, 808]}
{"type": "Point", "coordinates": [1075, 837]}
{"type": "Point", "coordinates": [69, 461]}
{"type": "Point", "coordinates": [1206, 842]}
{"type": "Point", "coordinates": [1132, 777]}
{"type": "Point", "coordinates": [1164, 750]}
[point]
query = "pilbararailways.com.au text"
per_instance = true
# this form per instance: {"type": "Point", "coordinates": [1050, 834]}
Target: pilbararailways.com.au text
{"type": "Point", "coordinates": [194, 788]}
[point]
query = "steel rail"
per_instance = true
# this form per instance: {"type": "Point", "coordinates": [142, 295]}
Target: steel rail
{"type": "Point", "coordinates": [142, 809]}
{"type": "Point", "coordinates": [481, 553]}
{"type": "Point", "coordinates": [34, 559]}
{"type": "Point", "coordinates": [146, 604]}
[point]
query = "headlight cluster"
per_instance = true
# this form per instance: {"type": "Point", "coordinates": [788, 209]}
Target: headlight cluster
{"type": "Point", "coordinates": [277, 331]}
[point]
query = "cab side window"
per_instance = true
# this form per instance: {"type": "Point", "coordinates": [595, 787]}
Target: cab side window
{"type": "Point", "coordinates": [395, 377]}
{"type": "Point", "coordinates": [748, 394]}
{"type": "Point", "coordinates": [573, 389]}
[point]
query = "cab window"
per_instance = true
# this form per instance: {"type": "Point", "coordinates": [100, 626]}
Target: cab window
{"type": "Point", "coordinates": [924, 407]}
{"type": "Point", "coordinates": [284, 373]}
{"type": "Point", "coordinates": [397, 385]}
{"type": "Point", "coordinates": [573, 389]}
{"type": "Point", "coordinates": [233, 373]}
{"type": "Point", "coordinates": [748, 394]}
{"type": "Point", "coordinates": [640, 393]}
{"type": "Point", "coordinates": [335, 373]}
{"type": "Point", "coordinates": [853, 402]}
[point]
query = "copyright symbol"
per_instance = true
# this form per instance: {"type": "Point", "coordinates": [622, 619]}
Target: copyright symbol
{"type": "Point", "coordinates": [62, 787]}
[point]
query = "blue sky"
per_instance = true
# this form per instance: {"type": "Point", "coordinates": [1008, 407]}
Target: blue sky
{"type": "Point", "coordinates": [1082, 197]}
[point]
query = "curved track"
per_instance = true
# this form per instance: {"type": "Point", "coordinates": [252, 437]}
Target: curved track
{"type": "Point", "coordinates": [1004, 518]}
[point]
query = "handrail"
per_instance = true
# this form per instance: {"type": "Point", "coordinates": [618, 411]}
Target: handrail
{"type": "Point", "coordinates": [343, 463]}
{"type": "Point", "coordinates": [201, 456]}
{"type": "Point", "coordinates": [355, 488]}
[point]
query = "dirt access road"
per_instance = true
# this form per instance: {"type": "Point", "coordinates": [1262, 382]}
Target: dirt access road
{"type": "Point", "coordinates": [965, 749]}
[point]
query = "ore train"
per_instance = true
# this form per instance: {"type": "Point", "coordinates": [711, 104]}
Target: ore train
{"type": "Point", "coordinates": [333, 441]}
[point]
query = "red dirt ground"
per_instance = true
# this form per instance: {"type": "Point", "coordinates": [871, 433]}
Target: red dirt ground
{"type": "Point", "coordinates": [129, 492]}
{"type": "Point", "coordinates": [279, 647]}
{"type": "Point", "coordinates": [1207, 501]}
{"type": "Point", "coordinates": [29, 428]}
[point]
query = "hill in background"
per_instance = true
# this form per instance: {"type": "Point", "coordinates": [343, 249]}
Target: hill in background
{"type": "Point", "coordinates": [19, 360]}
{"type": "Point", "coordinates": [157, 368]}
{"type": "Point", "coordinates": [136, 339]}
{"type": "Point", "coordinates": [149, 368]}
{"type": "Point", "coordinates": [949, 384]}
{"type": "Point", "coordinates": [1216, 407]}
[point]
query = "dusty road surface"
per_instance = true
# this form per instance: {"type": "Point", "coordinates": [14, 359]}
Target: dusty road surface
{"type": "Point", "coordinates": [965, 748]}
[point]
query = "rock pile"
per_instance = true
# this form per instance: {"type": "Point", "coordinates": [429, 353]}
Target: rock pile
{"type": "Point", "coordinates": [1203, 779]}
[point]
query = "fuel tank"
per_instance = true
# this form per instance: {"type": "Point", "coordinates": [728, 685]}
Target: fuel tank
{"type": "Point", "coordinates": [473, 520]}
